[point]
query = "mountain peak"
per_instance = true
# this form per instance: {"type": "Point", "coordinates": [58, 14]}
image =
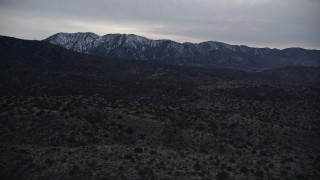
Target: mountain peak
{"type": "Point", "coordinates": [80, 41]}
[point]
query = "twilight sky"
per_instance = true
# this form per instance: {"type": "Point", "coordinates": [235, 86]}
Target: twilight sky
{"type": "Point", "coordinates": [258, 23]}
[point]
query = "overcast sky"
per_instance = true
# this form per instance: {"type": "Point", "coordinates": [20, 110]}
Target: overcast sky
{"type": "Point", "coordinates": [258, 23]}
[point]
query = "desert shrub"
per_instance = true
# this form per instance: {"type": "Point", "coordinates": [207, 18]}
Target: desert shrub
{"type": "Point", "coordinates": [128, 156]}
{"type": "Point", "coordinates": [300, 176]}
{"type": "Point", "coordinates": [204, 151]}
{"type": "Point", "coordinates": [74, 170]}
{"type": "Point", "coordinates": [233, 125]}
{"type": "Point", "coordinates": [244, 170]}
{"type": "Point", "coordinates": [161, 165]}
{"type": "Point", "coordinates": [249, 132]}
{"type": "Point", "coordinates": [93, 118]}
{"type": "Point", "coordinates": [152, 152]}
{"type": "Point", "coordinates": [210, 158]}
{"type": "Point", "coordinates": [232, 160]}
{"type": "Point", "coordinates": [229, 168]}
{"type": "Point", "coordinates": [222, 175]}
{"type": "Point", "coordinates": [142, 136]}
{"type": "Point", "coordinates": [146, 174]}
{"type": "Point", "coordinates": [197, 167]}
{"type": "Point", "coordinates": [72, 142]}
{"type": "Point", "coordinates": [105, 178]}
{"type": "Point", "coordinates": [49, 161]}
{"type": "Point", "coordinates": [217, 162]}
{"type": "Point", "coordinates": [120, 126]}
{"type": "Point", "coordinates": [130, 131]}
{"type": "Point", "coordinates": [259, 173]}
{"type": "Point", "coordinates": [284, 173]}
{"type": "Point", "coordinates": [121, 168]}
{"type": "Point", "coordinates": [263, 153]}
{"type": "Point", "coordinates": [40, 113]}
{"type": "Point", "coordinates": [138, 150]}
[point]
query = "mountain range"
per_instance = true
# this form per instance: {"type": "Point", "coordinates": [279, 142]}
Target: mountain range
{"type": "Point", "coordinates": [70, 115]}
{"type": "Point", "coordinates": [209, 54]}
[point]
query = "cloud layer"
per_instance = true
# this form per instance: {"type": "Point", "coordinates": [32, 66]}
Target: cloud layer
{"type": "Point", "coordinates": [261, 23]}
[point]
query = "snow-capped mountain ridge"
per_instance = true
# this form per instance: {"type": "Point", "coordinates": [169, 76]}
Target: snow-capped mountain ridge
{"type": "Point", "coordinates": [84, 38]}
{"type": "Point", "coordinates": [209, 53]}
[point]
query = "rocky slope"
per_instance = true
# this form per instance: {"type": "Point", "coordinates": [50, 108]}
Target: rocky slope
{"type": "Point", "coordinates": [209, 54]}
